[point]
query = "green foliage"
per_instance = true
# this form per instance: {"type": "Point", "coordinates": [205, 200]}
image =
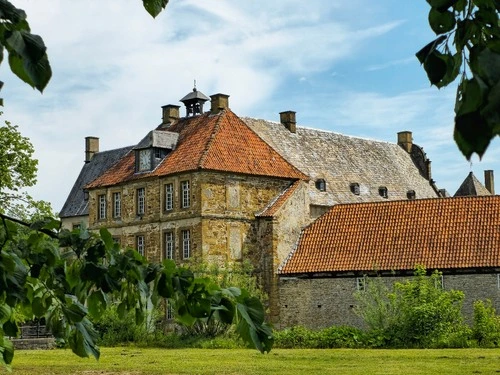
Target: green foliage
{"type": "Point", "coordinates": [416, 313]}
{"type": "Point", "coordinates": [332, 337]}
{"type": "Point", "coordinates": [486, 324]}
{"type": "Point", "coordinates": [70, 278]}
{"type": "Point", "coordinates": [467, 45]}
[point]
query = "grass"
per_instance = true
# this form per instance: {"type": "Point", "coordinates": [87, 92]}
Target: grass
{"type": "Point", "coordinates": [132, 361]}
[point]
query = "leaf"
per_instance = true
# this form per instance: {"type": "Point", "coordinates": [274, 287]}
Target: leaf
{"type": "Point", "coordinates": [488, 66]}
{"type": "Point", "coordinates": [472, 133]}
{"type": "Point", "coordinates": [441, 22]}
{"type": "Point", "coordinates": [107, 238]}
{"type": "Point", "coordinates": [436, 67]}
{"type": "Point", "coordinates": [7, 351]}
{"type": "Point", "coordinates": [82, 340]}
{"type": "Point", "coordinates": [154, 7]}
{"type": "Point", "coordinates": [10, 328]}
{"type": "Point", "coordinates": [73, 310]}
{"type": "Point", "coordinates": [96, 303]}
{"type": "Point", "coordinates": [429, 48]}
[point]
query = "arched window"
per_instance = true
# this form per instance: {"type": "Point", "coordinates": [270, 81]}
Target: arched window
{"type": "Point", "coordinates": [355, 188]}
{"type": "Point", "coordinates": [410, 194]}
{"type": "Point", "coordinates": [382, 191]}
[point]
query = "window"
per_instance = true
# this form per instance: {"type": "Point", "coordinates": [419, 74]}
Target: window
{"type": "Point", "coordinates": [169, 245]}
{"type": "Point", "coordinates": [439, 282]}
{"type": "Point", "coordinates": [410, 194]}
{"type": "Point", "coordinates": [361, 284]}
{"type": "Point", "coordinates": [321, 184]}
{"type": "Point", "coordinates": [498, 280]}
{"type": "Point", "coordinates": [169, 197]}
{"type": "Point", "coordinates": [77, 226]}
{"type": "Point", "coordinates": [382, 191]}
{"type": "Point", "coordinates": [141, 201]}
{"type": "Point", "coordinates": [169, 313]}
{"type": "Point", "coordinates": [185, 201]}
{"type": "Point", "coordinates": [355, 188]}
{"type": "Point", "coordinates": [117, 205]}
{"type": "Point", "coordinates": [140, 244]}
{"type": "Point", "coordinates": [102, 207]}
{"type": "Point", "coordinates": [186, 244]}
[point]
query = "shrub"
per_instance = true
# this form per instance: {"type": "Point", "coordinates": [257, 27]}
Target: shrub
{"type": "Point", "coordinates": [333, 337]}
{"type": "Point", "coordinates": [415, 313]}
{"type": "Point", "coordinates": [486, 324]}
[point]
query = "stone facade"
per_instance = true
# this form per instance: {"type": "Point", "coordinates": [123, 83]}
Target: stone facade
{"type": "Point", "coordinates": [321, 302]}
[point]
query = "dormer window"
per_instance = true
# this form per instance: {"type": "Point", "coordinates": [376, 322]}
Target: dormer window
{"type": "Point", "coordinates": [382, 191]}
{"type": "Point", "coordinates": [321, 184]}
{"type": "Point", "coordinates": [354, 188]}
{"type": "Point", "coordinates": [410, 194]}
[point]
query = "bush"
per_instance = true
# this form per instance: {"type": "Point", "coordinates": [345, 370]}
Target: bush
{"type": "Point", "coordinates": [416, 313]}
{"type": "Point", "coordinates": [333, 337]}
{"type": "Point", "coordinates": [486, 324]}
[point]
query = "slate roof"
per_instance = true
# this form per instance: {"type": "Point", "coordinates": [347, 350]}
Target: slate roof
{"type": "Point", "coordinates": [220, 142]}
{"type": "Point", "coordinates": [75, 204]}
{"type": "Point", "coordinates": [342, 160]}
{"type": "Point", "coordinates": [471, 186]}
{"type": "Point", "coordinates": [443, 233]}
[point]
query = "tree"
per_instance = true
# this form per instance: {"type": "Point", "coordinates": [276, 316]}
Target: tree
{"type": "Point", "coordinates": [70, 278]}
{"type": "Point", "coordinates": [467, 46]}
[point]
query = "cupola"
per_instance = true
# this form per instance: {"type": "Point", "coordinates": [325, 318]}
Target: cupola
{"type": "Point", "coordinates": [194, 102]}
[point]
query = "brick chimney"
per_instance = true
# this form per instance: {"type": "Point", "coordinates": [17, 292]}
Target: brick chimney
{"type": "Point", "coordinates": [91, 147]}
{"type": "Point", "coordinates": [405, 140]}
{"type": "Point", "coordinates": [219, 102]}
{"type": "Point", "coordinates": [489, 181]}
{"type": "Point", "coordinates": [170, 114]}
{"type": "Point", "coordinates": [287, 118]}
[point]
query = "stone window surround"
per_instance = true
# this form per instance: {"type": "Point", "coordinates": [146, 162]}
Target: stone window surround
{"type": "Point", "coordinates": [140, 201]}
{"type": "Point", "coordinates": [117, 203]}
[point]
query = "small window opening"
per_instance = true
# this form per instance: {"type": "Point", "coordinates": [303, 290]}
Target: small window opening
{"type": "Point", "coordinates": [382, 191]}
{"type": "Point", "coordinates": [411, 194]}
{"type": "Point", "coordinates": [355, 188]}
{"type": "Point", "coordinates": [321, 184]}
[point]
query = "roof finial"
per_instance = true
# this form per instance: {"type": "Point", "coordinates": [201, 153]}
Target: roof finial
{"type": "Point", "coordinates": [194, 88]}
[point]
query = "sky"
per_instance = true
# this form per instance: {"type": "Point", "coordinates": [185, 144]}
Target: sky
{"type": "Point", "coordinates": [343, 66]}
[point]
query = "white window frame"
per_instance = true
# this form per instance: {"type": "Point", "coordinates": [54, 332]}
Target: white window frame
{"type": "Point", "coordinates": [141, 201]}
{"type": "Point", "coordinates": [102, 206]}
{"type": "Point", "coordinates": [439, 283]}
{"type": "Point", "coordinates": [361, 284]}
{"type": "Point", "coordinates": [169, 197]}
{"type": "Point", "coordinates": [498, 280]}
{"type": "Point", "coordinates": [117, 204]}
{"type": "Point", "coordinates": [169, 241]}
{"type": "Point", "coordinates": [186, 243]}
{"type": "Point", "coordinates": [140, 244]}
{"type": "Point", "coordinates": [185, 197]}
{"type": "Point", "coordinates": [169, 313]}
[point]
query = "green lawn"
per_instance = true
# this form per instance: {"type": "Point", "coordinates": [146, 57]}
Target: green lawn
{"type": "Point", "coordinates": [130, 360]}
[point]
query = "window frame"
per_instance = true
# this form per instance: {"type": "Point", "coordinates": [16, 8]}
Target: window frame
{"type": "Point", "coordinates": [117, 209]}
{"type": "Point", "coordinates": [140, 201]}
{"type": "Point", "coordinates": [355, 189]}
{"type": "Point", "coordinates": [169, 196]}
{"type": "Point", "coordinates": [140, 244]}
{"type": "Point", "coordinates": [101, 207]}
{"type": "Point", "coordinates": [383, 192]}
{"type": "Point", "coordinates": [166, 244]}
{"type": "Point", "coordinates": [411, 195]}
{"type": "Point", "coordinates": [320, 184]}
{"type": "Point", "coordinates": [186, 243]}
{"type": "Point", "coordinates": [361, 284]}
{"type": "Point", "coordinates": [185, 194]}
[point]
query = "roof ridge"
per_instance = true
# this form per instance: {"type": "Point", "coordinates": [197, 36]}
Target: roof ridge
{"type": "Point", "coordinates": [211, 140]}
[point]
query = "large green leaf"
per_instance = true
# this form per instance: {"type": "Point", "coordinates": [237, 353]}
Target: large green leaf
{"type": "Point", "coordinates": [154, 7]}
{"type": "Point", "coordinates": [441, 22]}
{"type": "Point", "coordinates": [472, 133]}
{"type": "Point", "coordinates": [83, 340]}
{"type": "Point", "coordinates": [442, 5]}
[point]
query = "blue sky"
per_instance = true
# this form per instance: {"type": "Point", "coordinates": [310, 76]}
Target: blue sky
{"type": "Point", "coordinates": [347, 67]}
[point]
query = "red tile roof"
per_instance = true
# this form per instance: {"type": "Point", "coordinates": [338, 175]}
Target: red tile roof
{"type": "Point", "coordinates": [440, 233]}
{"type": "Point", "coordinates": [221, 142]}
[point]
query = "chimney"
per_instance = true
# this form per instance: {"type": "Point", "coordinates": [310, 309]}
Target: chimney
{"type": "Point", "coordinates": [287, 118]}
{"type": "Point", "coordinates": [405, 140]}
{"type": "Point", "coordinates": [91, 147]}
{"type": "Point", "coordinates": [219, 102]}
{"type": "Point", "coordinates": [489, 181]}
{"type": "Point", "coordinates": [170, 114]}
